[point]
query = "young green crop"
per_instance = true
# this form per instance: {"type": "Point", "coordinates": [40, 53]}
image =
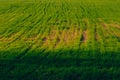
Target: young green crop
{"type": "Point", "coordinates": [59, 39]}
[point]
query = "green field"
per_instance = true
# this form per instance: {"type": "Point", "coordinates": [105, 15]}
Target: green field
{"type": "Point", "coordinates": [59, 39]}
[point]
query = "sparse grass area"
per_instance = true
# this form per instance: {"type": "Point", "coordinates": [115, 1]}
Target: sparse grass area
{"type": "Point", "coordinates": [59, 40]}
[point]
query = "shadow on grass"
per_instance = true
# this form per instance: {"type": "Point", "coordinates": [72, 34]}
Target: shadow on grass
{"type": "Point", "coordinates": [85, 66]}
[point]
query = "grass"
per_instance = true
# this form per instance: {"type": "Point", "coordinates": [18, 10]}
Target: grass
{"type": "Point", "coordinates": [59, 40]}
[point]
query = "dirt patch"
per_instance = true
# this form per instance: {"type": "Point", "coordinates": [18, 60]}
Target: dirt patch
{"type": "Point", "coordinates": [66, 36]}
{"type": "Point", "coordinates": [69, 35]}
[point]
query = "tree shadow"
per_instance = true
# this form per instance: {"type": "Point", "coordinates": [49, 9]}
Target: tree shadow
{"type": "Point", "coordinates": [86, 66]}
